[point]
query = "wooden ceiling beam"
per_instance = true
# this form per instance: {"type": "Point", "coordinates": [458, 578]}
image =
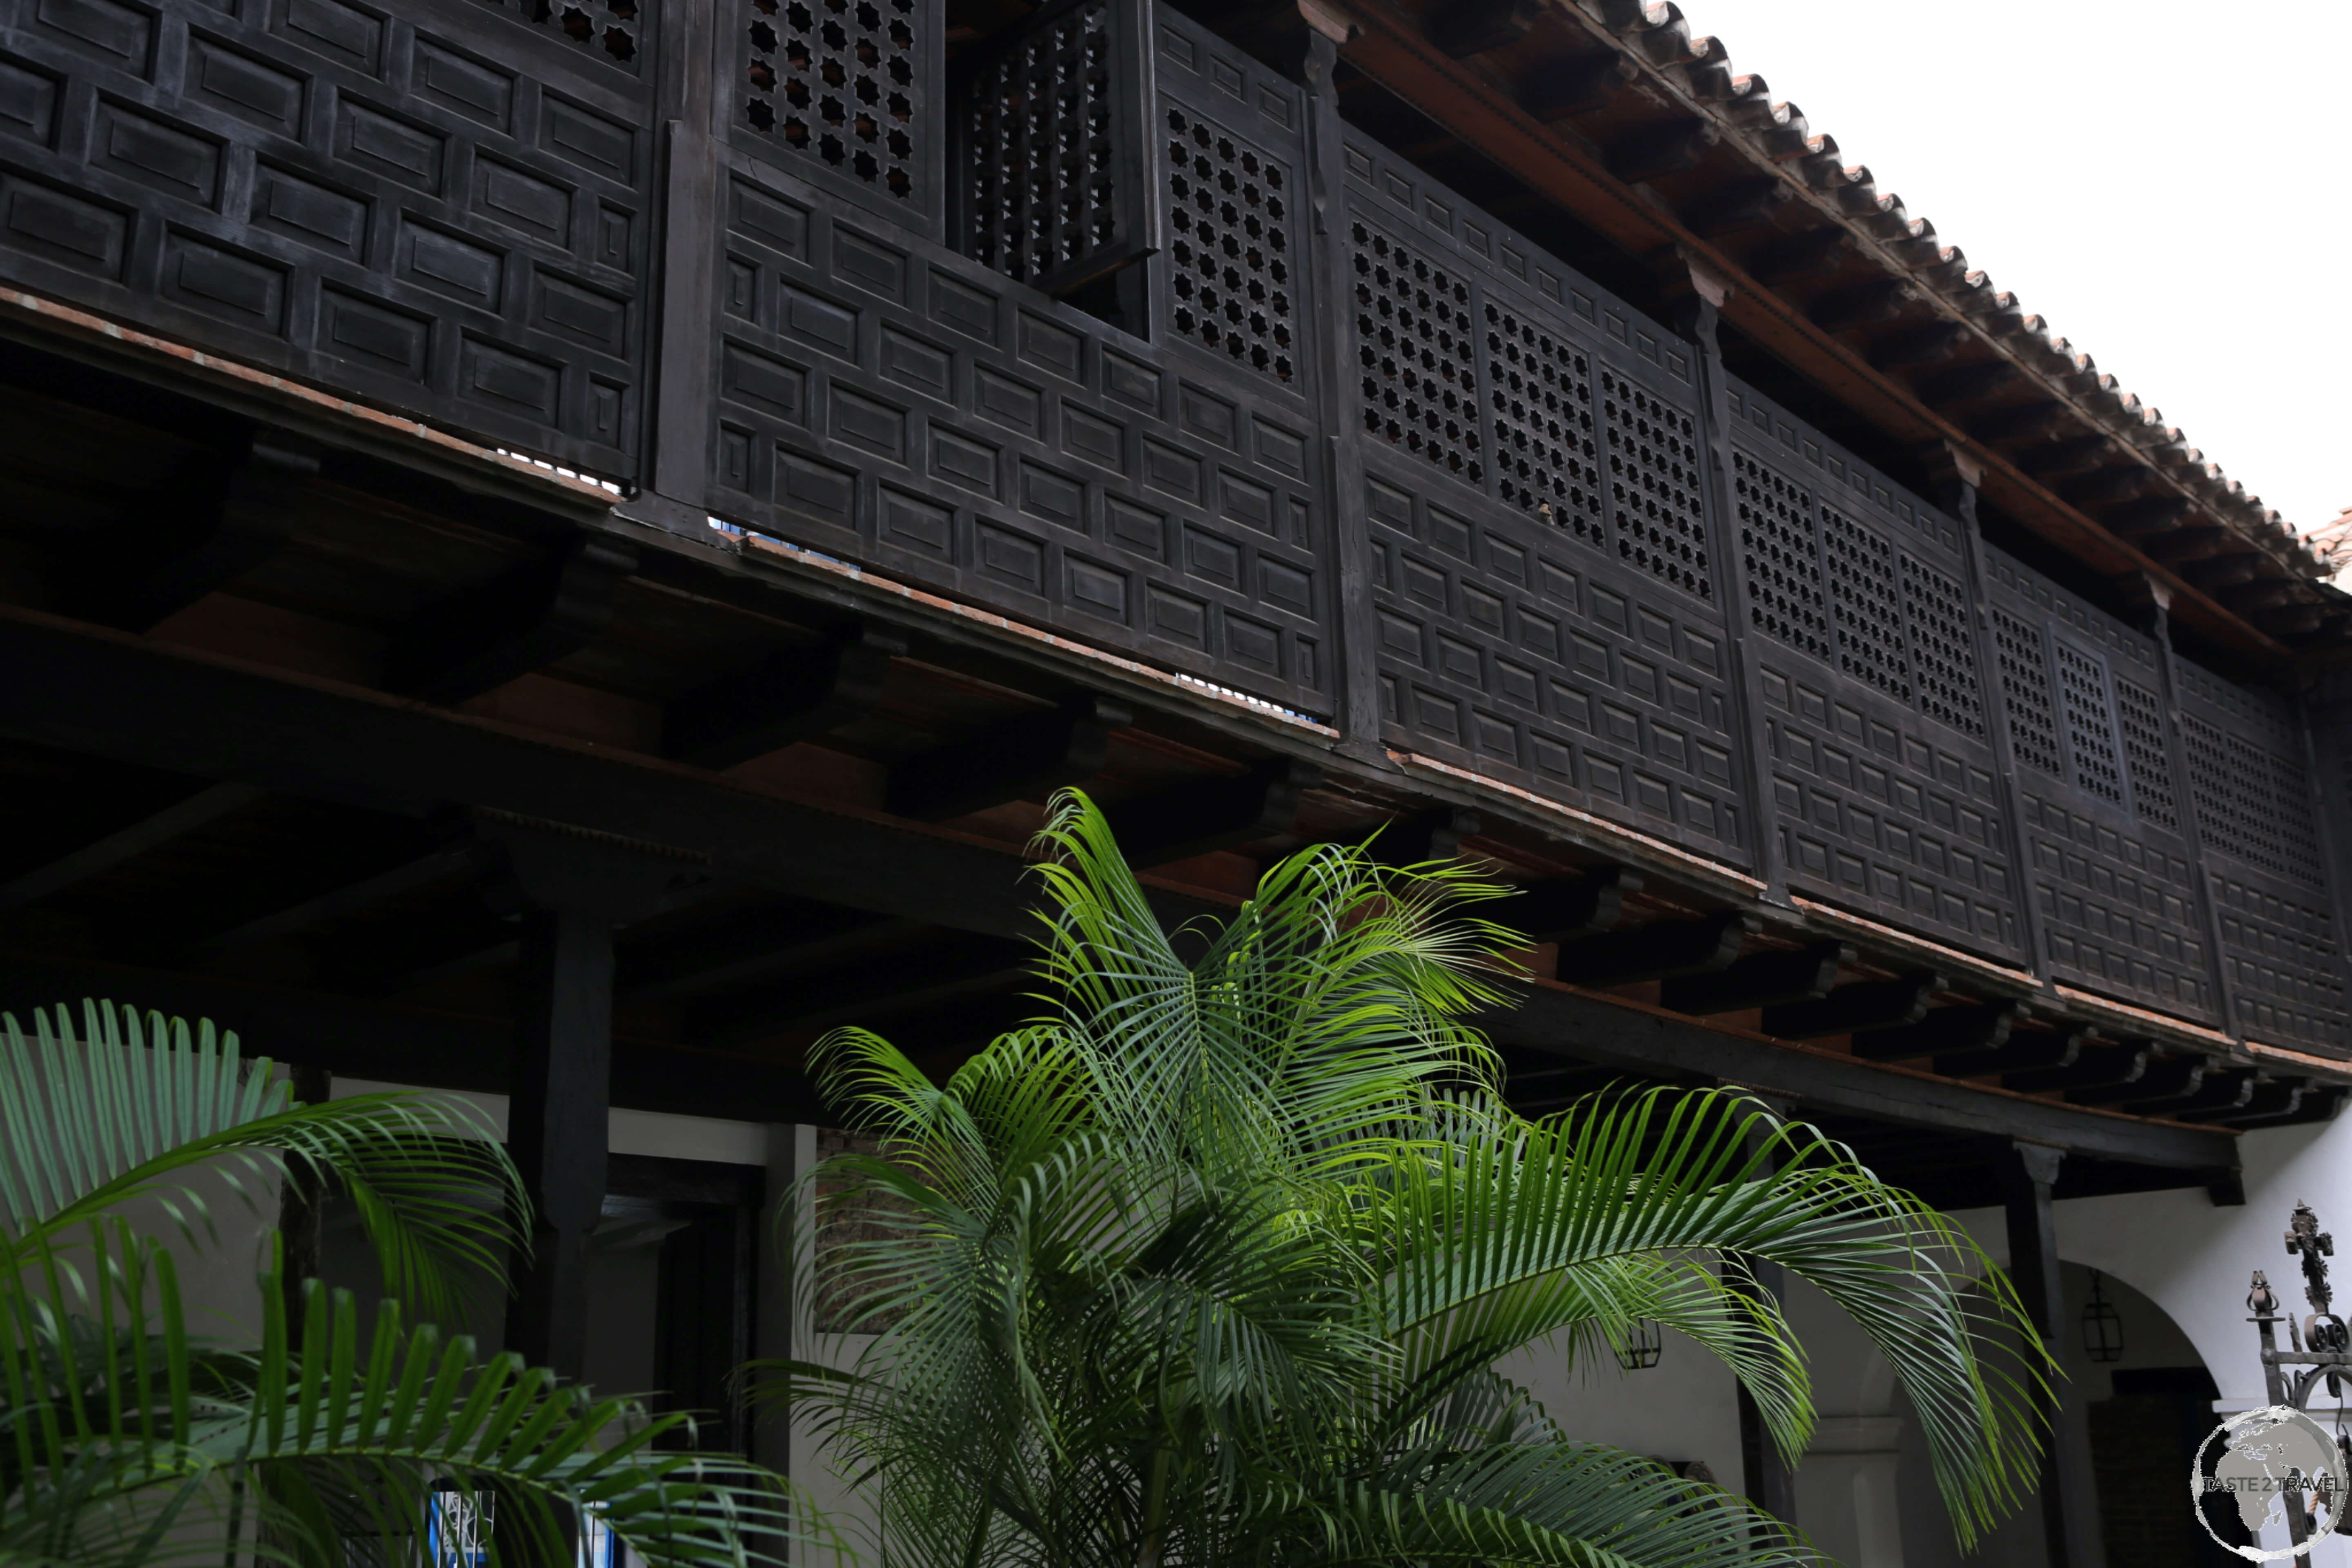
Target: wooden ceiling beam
{"type": "Point", "coordinates": [203, 805]}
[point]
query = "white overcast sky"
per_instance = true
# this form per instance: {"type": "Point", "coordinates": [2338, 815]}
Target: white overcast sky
{"type": "Point", "coordinates": [2168, 184]}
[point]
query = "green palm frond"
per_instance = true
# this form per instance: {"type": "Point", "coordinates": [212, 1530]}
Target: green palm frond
{"type": "Point", "coordinates": [129, 1440]}
{"type": "Point", "coordinates": [1213, 1264]}
{"type": "Point", "coordinates": [135, 1106]}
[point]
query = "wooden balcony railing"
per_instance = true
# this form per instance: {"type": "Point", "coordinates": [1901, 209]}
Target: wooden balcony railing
{"type": "Point", "coordinates": [1111, 329]}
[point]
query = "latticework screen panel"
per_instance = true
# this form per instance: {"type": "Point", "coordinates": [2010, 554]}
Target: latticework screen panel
{"type": "Point", "coordinates": [2114, 884]}
{"type": "Point", "coordinates": [1543, 570]}
{"type": "Point", "coordinates": [1419, 358]}
{"type": "Point", "coordinates": [884, 399]}
{"type": "Point", "coordinates": [1230, 140]}
{"type": "Point", "coordinates": [1052, 147]}
{"type": "Point", "coordinates": [2257, 815]}
{"type": "Point", "coordinates": [840, 91]}
{"type": "Point", "coordinates": [2148, 750]}
{"type": "Point", "coordinates": [1882, 787]}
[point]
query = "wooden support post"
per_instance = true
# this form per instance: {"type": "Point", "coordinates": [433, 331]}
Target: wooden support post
{"type": "Point", "coordinates": [1698, 315]}
{"type": "Point", "coordinates": [571, 889]}
{"type": "Point", "coordinates": [2208, 918]}
{"type": "Point", "coordinates": [1955, 476]}
{"type": "Point", "coordinates": [2070, 1511]}
{"type": "Point", "coordinates": [1347, 536]}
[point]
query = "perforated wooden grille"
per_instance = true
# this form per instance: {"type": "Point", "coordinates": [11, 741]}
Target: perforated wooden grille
{"type": "Point", "coordinates": [835, 82]}
{"type": "Point", "coordinates": [2025, 683]}
{"type": "Point", "coordinates": [610, 30]}
{"type": "Point", "coordinates": [1944, 654]}
{"type": "Point", "coordinates": [1417, 355]}
{"type": "Point", "coordinates": [2250, 801]}
{"type": "Point", "coordinates": [2291, 810]}
{"type": "Point", "coordinates": [2142, 717]}
{"type": "Point", "coordinates": [1779, 558]}
{"type": "Point", "coordinates": [1229, 211]}
{"type": "Point", "coordinates": [2090, 724]}
{"type": "Point", "coordinates": [1653, 486]}
{"type": "Point", "coordinates": [2210, 791]}
{"type": "Point", "coordinates": [1863, 601]}
{"type": "Point", "coordinates": [1547, 450]}
{"type": "Point", "coordinates": [1041, 163]}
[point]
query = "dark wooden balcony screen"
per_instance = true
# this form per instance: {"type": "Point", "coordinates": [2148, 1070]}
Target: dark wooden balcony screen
{"type": "Point", "coordinates": [2265, 868]}
{"type": "Point", "coordinates": [1545, 587]}
{"type": "Point", "coordinates": [882, 397]}
{"type": "Point", "coordinates": [1883, 779]}
{"type": "Point", "coordinates": [476, 212]}
{"type": "Point", "coordinates": [1051, 146]}
{"type": "Point", "coordinates": [2112, 875]}
{"type": "Point", "coordinates": [443, 209]}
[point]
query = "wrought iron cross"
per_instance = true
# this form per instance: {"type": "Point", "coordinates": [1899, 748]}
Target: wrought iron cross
{"type": "Point", "coordinates": [2314, 1245]}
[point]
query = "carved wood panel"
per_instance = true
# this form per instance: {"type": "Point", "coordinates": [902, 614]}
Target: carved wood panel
{"type": "Point", "coordinates": [842, 93]}
{"type": "Point", "coordinates": [2267, 874]}
{"type": "Point", "coordinates": [1230, 288]}
{"type": "Point", "coordinates": [885, 400]}
{"type": "Point", "coordinates": [1881, 783]}
{"type": "Point", "coordinates": [2114, 884]}
{"type": "Point", "coordinates": [1543, 576]}
{"type": "Point", "coordinates": [443, 210]}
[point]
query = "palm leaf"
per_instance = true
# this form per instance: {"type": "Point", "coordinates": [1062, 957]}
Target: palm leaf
{"type": "Point", "coordinates": [135, 1106]}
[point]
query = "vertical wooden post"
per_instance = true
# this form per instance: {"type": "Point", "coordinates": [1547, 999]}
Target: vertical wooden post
{"type": "Point", "coordinates": [1356, 676]}
{"type": "Point", "coordinates": [686, 267]}
{"type": "Point", "coordinates": [571, 889]}
{"type": "Point", "coordinates": [2070, 1504]}
{"type": "Point", "coordinates": [1697, 313]}
{"type": "Point", "coordinates": [1955, 475]}
{"type": "Point", "coordinates": [2159, 625]}
{"type": "Point", "coordinates": [557, 1125]}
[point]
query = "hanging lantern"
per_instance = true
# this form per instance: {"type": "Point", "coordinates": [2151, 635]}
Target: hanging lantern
{"type": "Point", "coordinates": [1644, 1343]}
{"type": "Point", "coordinates": [2103, 1327]}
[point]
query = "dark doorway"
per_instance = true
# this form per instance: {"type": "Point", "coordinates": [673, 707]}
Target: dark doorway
{"type": "Point", "coordinates": [2144, 1440]}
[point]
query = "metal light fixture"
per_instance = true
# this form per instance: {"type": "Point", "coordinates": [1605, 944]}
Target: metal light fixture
{"type": "Point", "coordinates": [1644, 1343]}
{"type": "Point", "coordinates": [2103, 1327]}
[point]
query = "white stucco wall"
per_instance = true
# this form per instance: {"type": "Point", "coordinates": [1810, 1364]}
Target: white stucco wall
{"type": "Point", "coordinates": [2189, 1259]}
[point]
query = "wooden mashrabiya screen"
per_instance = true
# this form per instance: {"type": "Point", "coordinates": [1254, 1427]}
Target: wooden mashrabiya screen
{"type": "Point", "coordinates": [1883, 781]}
{"type": "Point", "coordinates": [883, 397]}
{"type": "Point", "coordinates": [1544, 575]}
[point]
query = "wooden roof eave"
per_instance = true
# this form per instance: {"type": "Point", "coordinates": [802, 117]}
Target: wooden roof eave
{"type": "Point", "coordinates": [1478, 103]}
